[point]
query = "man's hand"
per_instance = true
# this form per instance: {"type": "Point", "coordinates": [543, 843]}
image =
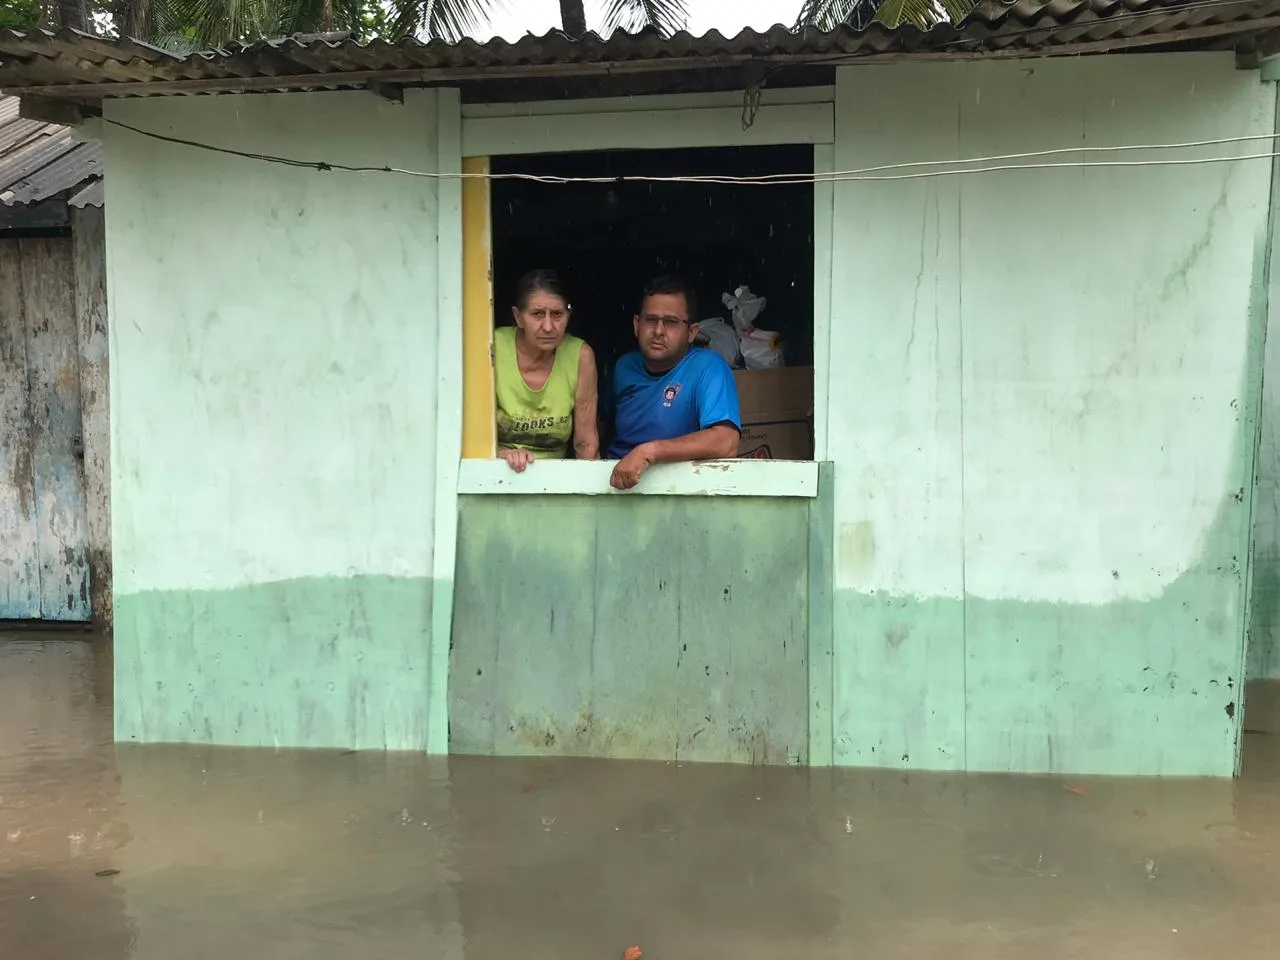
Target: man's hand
{"type": "Point", "coordinates": [517, 460]}
{"type": "Point", "coordinates": [628, 470]}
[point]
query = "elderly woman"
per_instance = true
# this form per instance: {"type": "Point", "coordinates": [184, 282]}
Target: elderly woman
{"type": "Point", "coordinates": [545, 380]}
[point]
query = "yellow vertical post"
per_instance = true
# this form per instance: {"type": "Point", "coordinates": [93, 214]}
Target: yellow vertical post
{"type": "Point", "coordinates": [477, 313]}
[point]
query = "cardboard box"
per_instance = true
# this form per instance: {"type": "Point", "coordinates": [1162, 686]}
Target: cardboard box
{"type": "Point", "coordinates": [777, 413]}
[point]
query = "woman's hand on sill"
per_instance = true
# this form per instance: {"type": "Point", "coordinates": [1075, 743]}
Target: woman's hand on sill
{"type": "Point", "coordinates": [516, 459]}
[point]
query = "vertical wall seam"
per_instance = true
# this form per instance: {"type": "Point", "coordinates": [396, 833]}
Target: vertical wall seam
{"type": "Point", "coordinates": [964, 520]}
{"type": "Point", "coordinates": [448, 119]}
{"type": "Point", "coordinates": [1257, 348]}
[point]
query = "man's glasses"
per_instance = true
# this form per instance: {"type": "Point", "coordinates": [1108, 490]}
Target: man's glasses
{"type": "Point", "coordinates": [653, 322]}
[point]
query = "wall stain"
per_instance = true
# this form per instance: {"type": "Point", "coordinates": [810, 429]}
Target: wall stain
{"type": "Point", "coordinates": [857, 553]}
{"type": "Point", "coordinates": [896, 633]}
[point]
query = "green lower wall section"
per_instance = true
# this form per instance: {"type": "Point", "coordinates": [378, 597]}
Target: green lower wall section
{"type": "Point", "coordinates": [1131, 687]}
{"type": "Point", "coordinates": [1264, 650]}
{"type": "Point", "coordinates": [323, 662]}
{"type": "Point", "coordinates": [643, 627]}
{"type": "Point", "coordinates": [686, 629]}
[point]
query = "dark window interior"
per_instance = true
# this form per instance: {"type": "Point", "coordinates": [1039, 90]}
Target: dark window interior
{"type": "Point", "coordinates": [607, 239]}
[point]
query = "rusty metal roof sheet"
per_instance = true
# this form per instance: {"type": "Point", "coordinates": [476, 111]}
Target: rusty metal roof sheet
{"type": "Point", "coordinates": [39, 161]}
{"type": "Point", "coordinates": [73, 64]}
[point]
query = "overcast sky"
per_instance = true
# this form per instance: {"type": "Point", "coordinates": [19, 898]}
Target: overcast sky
{"type": "Point", "coordinates": [728, 16]}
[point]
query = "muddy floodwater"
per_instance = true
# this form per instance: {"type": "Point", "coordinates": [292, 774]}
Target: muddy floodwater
{"type": "Point", "coordinates": [176, 853]}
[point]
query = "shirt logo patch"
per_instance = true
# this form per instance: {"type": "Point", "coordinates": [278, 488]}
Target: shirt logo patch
{"type": "Point", "coordinates": [670, 393]}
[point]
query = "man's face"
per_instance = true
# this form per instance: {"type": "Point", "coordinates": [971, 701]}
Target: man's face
{"type": "Point", "coordinates": [663, 329]}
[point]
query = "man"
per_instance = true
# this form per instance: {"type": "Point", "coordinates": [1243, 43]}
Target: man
{"type": "Point", "coordinates": [670, 402]}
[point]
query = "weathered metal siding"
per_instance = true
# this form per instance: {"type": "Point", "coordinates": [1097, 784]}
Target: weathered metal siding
{"type": "Point", "coordinates": [19, 577]}
{"type": "Point", "coordinates": [88, 249]}
{"type": "Point", "coordinates": [43, 535]}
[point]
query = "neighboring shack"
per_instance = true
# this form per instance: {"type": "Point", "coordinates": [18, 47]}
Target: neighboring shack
{"type": "Point", "coordinates": [55, 548]}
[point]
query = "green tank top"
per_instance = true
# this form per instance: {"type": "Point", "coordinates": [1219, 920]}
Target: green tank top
{"type": "Point", "coordinates": [540, 421]}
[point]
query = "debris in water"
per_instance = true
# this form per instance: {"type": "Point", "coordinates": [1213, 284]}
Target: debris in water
{"type": "Point", "coordinates": [632, 953]}
{"type": "Point", "coordinates": [1078, 791]}
{"type": "Point", "coordinates": [107, 873]}
{"type": "Point", "coordinates": [404, 817]}
{"type": "Point", "coordinates": [848, 825]}
{"type": "Point", "coordinates": [529, 788]}
{"type": "Point", "coordinates": [1152, 869]}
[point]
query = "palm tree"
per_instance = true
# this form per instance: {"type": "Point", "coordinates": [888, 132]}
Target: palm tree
{"type": "Point", "coordinates": [454, 19]}
{"type": "Point", "coordinates": [829, 14]}
{"type": "Point", "coordinates": [71, 13]}
{"type": "Point", "coordinates": [198, 24]}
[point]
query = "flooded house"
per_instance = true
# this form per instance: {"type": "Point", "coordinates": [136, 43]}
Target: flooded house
{"type": "Point", "coordinates": [994, 511]}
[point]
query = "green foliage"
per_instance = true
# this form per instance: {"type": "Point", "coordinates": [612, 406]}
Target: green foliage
{"type": "Point", "coordinates": [187, 25]}
{"type": "Point", "coordinates": [438, 19]}
{"type": "Point", "coordinates": [20, 14]}
{"type": "Point", "coordinates": [668, 16]}
{"type": "Point", "coordinates": [829, 14]}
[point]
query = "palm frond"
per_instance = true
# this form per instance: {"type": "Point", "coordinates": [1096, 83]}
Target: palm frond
{"type": "Point", "coordinates": [449, 20]}
{"type": "Point", "coordinates": [203, 24]}
{"type": "Point", "coordinates": [922, 13]}
{"type": "Point", "coordinates": [829, 14]}
{"type": "Point", "coordinates": [668, 16]}
{"type": "Point", "coordinates": [957, 10]}
{"type": "Point", "coordinates": [454, 19]}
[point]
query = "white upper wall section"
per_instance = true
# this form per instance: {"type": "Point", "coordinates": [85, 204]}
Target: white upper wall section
{"type": "Point", "coordinates": [1036, 375]}
{"type": "Point", "coordinates": [273, 340]}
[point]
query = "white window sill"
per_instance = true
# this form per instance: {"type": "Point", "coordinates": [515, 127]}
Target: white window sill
{"type": "Point", "coordinates": [716, 478]}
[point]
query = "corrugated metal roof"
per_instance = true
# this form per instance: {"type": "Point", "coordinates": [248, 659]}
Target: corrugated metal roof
{"type": "Point", "coordinates": [39, 161]}
{"type": "Point", "coordinates": [95, 67]}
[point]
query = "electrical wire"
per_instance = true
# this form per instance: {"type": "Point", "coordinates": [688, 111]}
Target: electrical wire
{"type": "Point", "coordinates": [952, 167]}
{"type": "Point", "coordinates": [1188, 144]}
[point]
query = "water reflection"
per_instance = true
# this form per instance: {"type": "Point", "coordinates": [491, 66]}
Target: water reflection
{"type": "Point", "coordinates": [269, 855]}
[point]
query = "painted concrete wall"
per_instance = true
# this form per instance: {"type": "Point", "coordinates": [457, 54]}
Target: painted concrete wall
{"type": "Point", "coordinates": [1264, 645]}
{"type": "Point", "coordinates": [1042, 416]}
{"type": "Point", "coordinates": [274, 419]}
{"type": "Point", "coordinates": [1262, 670]}
{"type": "Point", "coordinates": [646, 627]}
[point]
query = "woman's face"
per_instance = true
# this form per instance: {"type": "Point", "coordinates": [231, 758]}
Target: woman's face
{"type": "Point", "coordinates": [543, 319]}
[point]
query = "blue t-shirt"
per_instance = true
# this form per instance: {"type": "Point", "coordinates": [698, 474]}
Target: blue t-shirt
{"type": "Point", "coordinates": [697, 393]}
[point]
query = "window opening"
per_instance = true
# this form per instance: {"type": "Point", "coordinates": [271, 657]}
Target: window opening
{"type": "Point", "coordinates": [606, 240]}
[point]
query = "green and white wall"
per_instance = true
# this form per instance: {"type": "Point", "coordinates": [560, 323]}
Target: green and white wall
{"type": "Point", "coordinates": [1042, 411]}
{"type": "Point", "coordinates": [1263, 664]}
{"type": "Point", "coordinates": [1043, 408]}
{"type": "Point", "coordinates": [275, 397]}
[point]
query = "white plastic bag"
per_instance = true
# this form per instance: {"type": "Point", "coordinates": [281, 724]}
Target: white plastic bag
{"type": "Point", "coordinates": [744, 306]}
{"type": "Point", "coordinates": [722, 339]}
{"type": "Point", "coordinates": [758, 354]}
{"type": "Point", "coordinates": [760, 349]}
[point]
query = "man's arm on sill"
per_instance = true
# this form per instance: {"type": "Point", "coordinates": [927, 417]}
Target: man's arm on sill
{"type": "Point", "coordinates": [717, 442]}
